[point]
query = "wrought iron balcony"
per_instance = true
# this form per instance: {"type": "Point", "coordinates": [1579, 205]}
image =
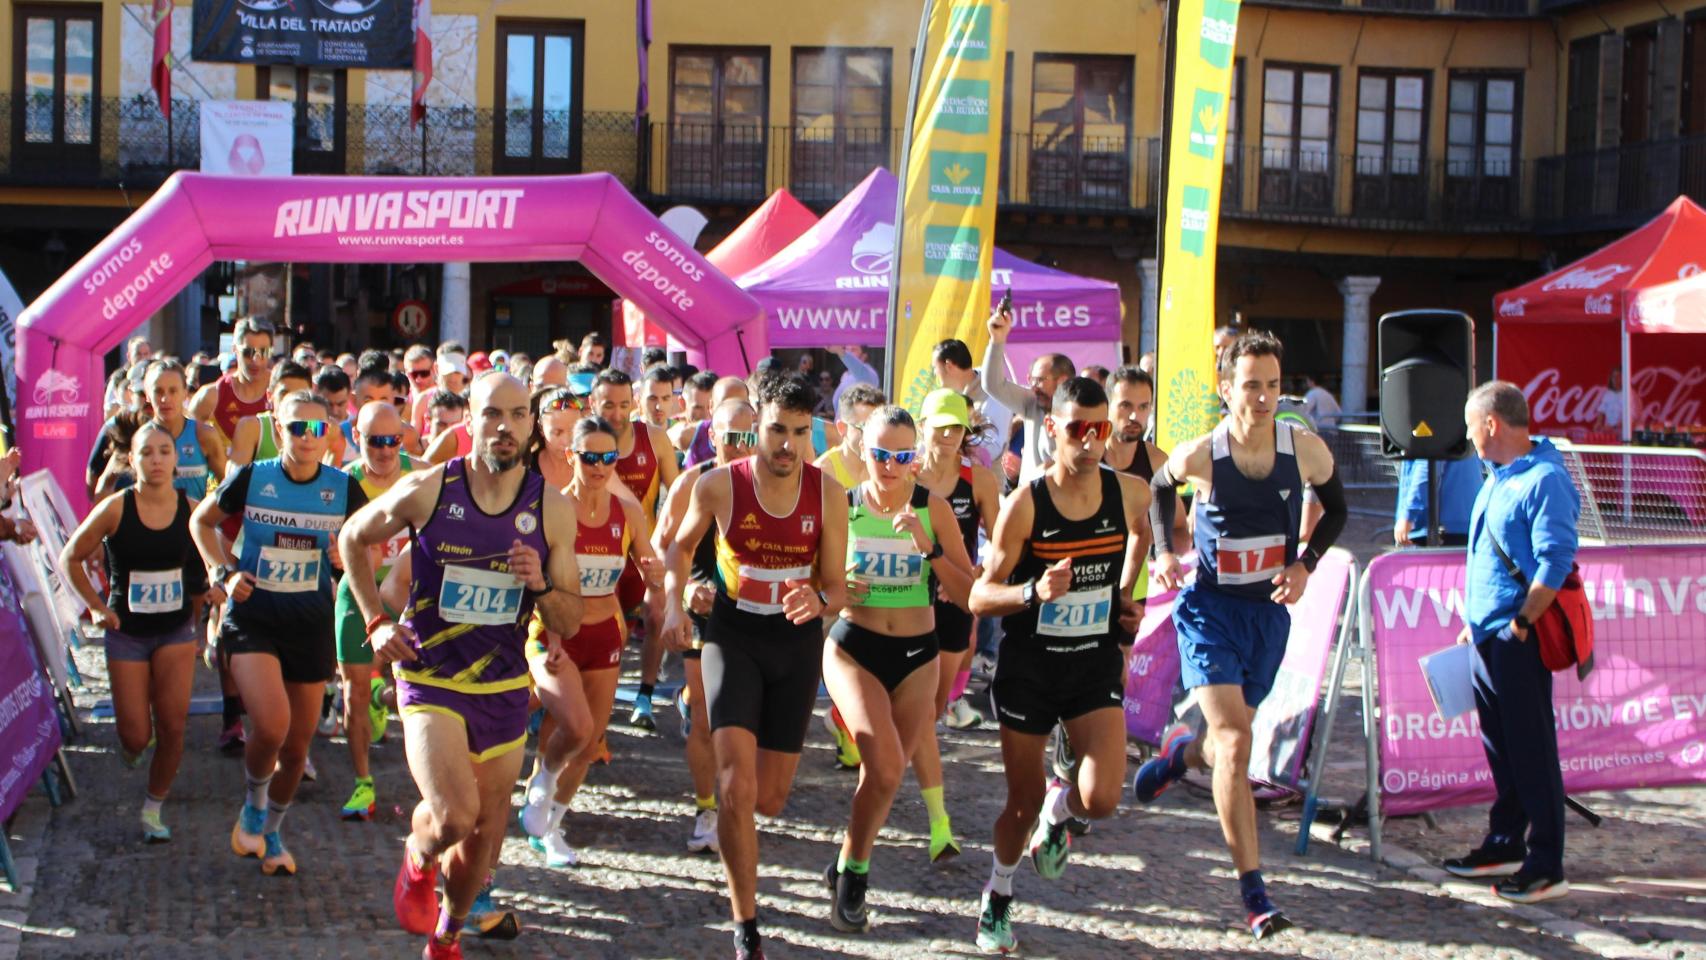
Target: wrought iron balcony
{"type": "Point", "coordinates": [1618, 187]}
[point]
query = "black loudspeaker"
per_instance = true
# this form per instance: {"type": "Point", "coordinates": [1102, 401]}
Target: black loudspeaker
{"type": "Point", "coordinates": [1427, 365]}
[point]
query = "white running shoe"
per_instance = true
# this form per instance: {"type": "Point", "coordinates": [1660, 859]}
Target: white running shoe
{"type": "Point", "coordinates": [556, 849]}
{"type": "Point", "coordinates": [961, 715]}
{"type": "Point", "coordinates": [704, 839]}
{"type": "Point", "coordinates": [309, 774]}
{"type": "Point", "coordinates": [536, 813]}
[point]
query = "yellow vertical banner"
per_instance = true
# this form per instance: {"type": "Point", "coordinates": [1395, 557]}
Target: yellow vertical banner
{"type": "Point", "coordinates": [1200, 47]}
{"type": "Point", "coordinates": [948, 191]}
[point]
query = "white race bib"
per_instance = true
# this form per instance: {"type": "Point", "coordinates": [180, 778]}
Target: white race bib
{"type": "Point", "coordinates": [1245, 560]}
{"type": "Point", "coordinates": [480, 597]}
{"type": "Point", "coordinates": [760, 589]}
{"type": "Point", "coordinates": [885, 562]}
{"type": "Point", "coordinates": [1080, 613]}
{"type": "Point", "coordinates": [287, 570]}
{"type": "Point", "coordinates": [599, 573]}
{"type": "Point", "coordinates": [156, 591]}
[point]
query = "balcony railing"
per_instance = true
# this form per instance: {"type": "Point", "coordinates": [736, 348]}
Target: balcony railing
{"type": "Point", "coordinates": [1376, 192]}
{"type": "Point", "coordinates": [140, 148]}
{"type": "Point", "coordinates": [1618, 187]}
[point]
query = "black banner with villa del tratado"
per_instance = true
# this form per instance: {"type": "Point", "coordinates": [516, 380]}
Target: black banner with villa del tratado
{"type": "Point", "coordinates": [372, 34]}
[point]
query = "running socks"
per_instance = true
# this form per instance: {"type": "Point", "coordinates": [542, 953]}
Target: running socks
{"type": "Point", "coordinates": [645, 694]}
{"type": "Point", "coordinates": [449, 927]}
{"type": "Point", "coordinates": [275, 816]}
{"type": "Point", "coordinates": [706, 803]}
{"type": "Point", "coordinates": [846, 864]}
{"type": "Point", "coordinates": [1001, 877]}
{"type": "Point", "coordinates": [1060, 810]}
{"type": "Point", "coordinates": [151, 806]}
{"type": "Point", "coordinates": [257, 790]}
{"type": "Point", "coordinates": [1255, 893]}
{"type": "Point", "coordinates": [746, 938]}
{"type": "Point", "coordinates": [935, 804]}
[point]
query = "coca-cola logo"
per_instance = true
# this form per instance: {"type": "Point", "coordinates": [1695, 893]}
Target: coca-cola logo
{"type": "Point", "coordinates": [1599, 304]}
{"type": "Point", "coordinates": [1513, 308]}
{"type": "Point", "coordinates": [1662, 395]}
{"type": "Point", "coordinates": [1582, 278]}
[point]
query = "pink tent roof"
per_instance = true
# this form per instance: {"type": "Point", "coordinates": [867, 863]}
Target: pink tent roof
{"type": "Point", "coordinates": [830, 286]}
{"type": "Point", "coordinates": [1643, 278]}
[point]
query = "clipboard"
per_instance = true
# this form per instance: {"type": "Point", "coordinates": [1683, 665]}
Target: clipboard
{"type": "Point", "coordinates": [1448, 675]}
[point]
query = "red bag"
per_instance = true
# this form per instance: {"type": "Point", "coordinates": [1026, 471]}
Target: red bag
{"type": "Point", "coordinates": [1565, 630]}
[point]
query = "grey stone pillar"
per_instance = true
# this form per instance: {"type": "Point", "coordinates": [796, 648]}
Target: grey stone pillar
{"type": "Point", "coordinates": [453, 322]}
{"type": "Point", "coordinates": [1353, 386]}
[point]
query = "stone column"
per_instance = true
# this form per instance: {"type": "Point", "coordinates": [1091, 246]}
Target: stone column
{"type": "Point", "coordinates": [1353, 386]}
{"type": "Point", "coordinates": [453, 322]}
{"type": "Point", "coordinates": [1149, 273]}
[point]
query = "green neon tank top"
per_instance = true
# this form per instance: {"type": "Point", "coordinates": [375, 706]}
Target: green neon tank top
{"type": "Point", "coordinates": [887, 560]}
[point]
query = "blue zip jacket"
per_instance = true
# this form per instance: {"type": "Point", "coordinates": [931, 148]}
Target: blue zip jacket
{"type": "Point", "coordinates": [1531, 505]}
{"type": "Point", "coordinates": [1460, 481]}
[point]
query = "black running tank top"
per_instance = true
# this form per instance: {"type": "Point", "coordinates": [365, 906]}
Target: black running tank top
{"type": "Point", "coordinates": [1087, 617]}
{"type": "Point", "coordinates": [153, 573]}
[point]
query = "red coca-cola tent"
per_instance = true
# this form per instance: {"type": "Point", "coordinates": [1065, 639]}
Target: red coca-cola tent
{"type": "Point", "coordinates": [777, 222]}
{"type": "Point", "coordinates": [1635, 308]}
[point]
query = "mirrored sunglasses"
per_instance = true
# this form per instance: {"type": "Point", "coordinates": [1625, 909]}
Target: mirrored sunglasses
{"type": "Point", "coordinates": [902, 457]}
{"type": "Point", "coordinates": [591, 459]}
{"type": "Point", "coordinates": [306, 428]}
{"type": "Point", "coordinates": [385, 440]}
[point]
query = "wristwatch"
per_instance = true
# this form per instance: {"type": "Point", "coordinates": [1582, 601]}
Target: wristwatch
{"type": "Point", "coordinates": [1029, 593]}
{"type": "Point", "coordinates": [220, 573]}
{"type": "Point", "coordinates": [533, 594]}
{"type": "Point", "coordinates": [1309, 558]}
{"type": "Point", "coordinates": [1522, 621]}
{"type": "Point", "coordinates": [935, 551]}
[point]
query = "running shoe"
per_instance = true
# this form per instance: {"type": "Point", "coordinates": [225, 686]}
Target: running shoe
{"type": "Point", "coordinates": [961, 715]}
{"type": "Point", "coordinates": [995, 924]}
{"type": "Point", "coordinates": [847, 889]}
{"type": "Point", "coordinates": [555, 847]}
{"type": "Point", "coordinates": [642, 718]}
{"type": "Point", "coordinates": [704, 838]}
{"type": "Point", "coordinates": [1161, 771]}
{"type": "Point", "coordinates": [683, 704]}
{"type": "Point", "coordinates": [943, 846]}
{"type": "Point", "coordinates": [742, 952]}
{"type": "Point", "coordinates": [1262, 917]}
{"type": "Point", "coordinates": [415, 895]}
{"type": "Point", "coordinates": [362, 802]}
{"type": "Point", "coordinates": [1526, 887]}
{"type": "Point", "coordinates": [332, 724]}
{"type": "Point", "coordinates": [603, 756]}
{"type": "Point", "coordinates": [535, 813]}
{"type": "Point", "coordinates": [490, 922]}
{"type": "Point", "coordinates": [1485, 861]}
{"type": "Point", "coordinates": [277, 858]}
{"type": "Point", "coordinates": [309, 774]}
{"type": "Point", "coordinates": [442, 951]}
{"type": "Point", "coordinates": [232, 741]}
{"type": "Point", "coordinates": [534, 719]}
{"type": "Point", "coordinates": [846, 748]}
{"type": "Point", "coordinates": [378, 718]}
{"type": "Point", "coordinates": [153, 831]}
{"type": "Point", "coordinates": [1077, 826]}
{"type": "Point", "coordinates": [1050, 842]}
{"type": "Point", "coordinates": [983, 666]}
{"type": "Point", "coordinates": [135, 760]}
{"type": "Point", "coordinates": [1062, 757]}
{"type": "Point", "coordinates": [246, 840]}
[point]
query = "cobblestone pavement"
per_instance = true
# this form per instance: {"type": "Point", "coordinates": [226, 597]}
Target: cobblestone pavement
{"type": "Point", "coordinates": [1153, 882]}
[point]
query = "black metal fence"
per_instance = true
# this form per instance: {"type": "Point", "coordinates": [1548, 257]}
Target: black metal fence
{"type": "Point", "coordinates": [1618, 187]}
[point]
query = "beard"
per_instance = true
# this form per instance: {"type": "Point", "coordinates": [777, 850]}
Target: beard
{"type": "Point", "coordinates": [498, 463]}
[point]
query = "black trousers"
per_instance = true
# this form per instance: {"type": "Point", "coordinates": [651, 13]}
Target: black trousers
{"type": "Point", "coordinates": [1513, 696]}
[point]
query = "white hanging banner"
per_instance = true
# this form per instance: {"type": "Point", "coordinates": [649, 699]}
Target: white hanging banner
{"type": "Point", "coordinates": [10, 307]}
{"type": "Point", "coordinates": [247, 138]}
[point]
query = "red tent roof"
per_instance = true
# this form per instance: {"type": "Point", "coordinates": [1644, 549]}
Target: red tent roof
{"type": "Point", "coordinates": [775, 224]}
{"type": "Point", "coordinates": [1620, 280]}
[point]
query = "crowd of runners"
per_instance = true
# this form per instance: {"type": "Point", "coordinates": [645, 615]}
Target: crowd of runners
{"type": "Point", "coordinates": [469, 541]}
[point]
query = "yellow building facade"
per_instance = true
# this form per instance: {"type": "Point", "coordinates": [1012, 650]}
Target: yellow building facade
{"type": "Point", "coordinates": [1383, 154]}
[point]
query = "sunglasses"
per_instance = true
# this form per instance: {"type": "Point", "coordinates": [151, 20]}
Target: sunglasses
{"type": "Point", "coordinates": [902, 457]}
{"type": "Point", "coordinates": [740, 438]}
{"type": "Point", "coordinates": [385, 440]}
{"type": "Point", "coordinates": [1084, 430]}
{"type": "Point", "coordinates": [256, 352]}
{"type": "Point", "coordinates": [420, 374]}
{"type": "Point", "coordinates": [306, 428]}
{"type": "Point", "coordinates": [563, 400]}
{"type": "Point", "coordinates": [607, 458]}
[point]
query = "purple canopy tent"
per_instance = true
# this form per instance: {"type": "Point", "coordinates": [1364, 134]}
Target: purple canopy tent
{"type": "Point", "coordinates": [830, 288]}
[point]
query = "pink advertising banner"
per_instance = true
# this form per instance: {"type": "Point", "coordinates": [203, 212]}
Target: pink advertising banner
{"type": "Point", "coordinates": [1286, 717]}
{"type": "Point", "coordinates": [195, 219]}
{"type": "Point", "coordinates": [1639, 720]}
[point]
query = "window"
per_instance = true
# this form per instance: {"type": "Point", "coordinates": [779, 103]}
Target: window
{"type": "Point", "coordinates": [1581, 116]}
{"type": "Point", "coordinates": [841, 119]}
{"type": "Point", "coordinates": [1231, 182]}
{"type": "Point", "coordinates": [1638, 63]}
{"type": "Point", "coordinates": [1297, 137]}
{"type": "Point", "coordinates": [719, 108]}
{"type": "Point", "coordinates": [321, 98]}
{"type": "Point", "coordinates": [1081, 131]}
{"type": "Point", "coordinates": [1693, 76]}
{"type": "Point", "coordinates": [1391, 144]}
{"type": "Point", "coordinates": [57, 79]}
{"type": "Point", "coordinates": [1481, 142]}
{"type": "Point", "coordinates": [539, 70]}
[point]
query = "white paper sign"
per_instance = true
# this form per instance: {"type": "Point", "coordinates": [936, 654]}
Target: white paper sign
{"type": "Point", "coordinates": [247, 138]}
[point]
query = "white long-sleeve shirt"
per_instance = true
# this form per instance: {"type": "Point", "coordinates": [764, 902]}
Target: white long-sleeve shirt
{"type": "Point", "coordinates": [1017, 397]}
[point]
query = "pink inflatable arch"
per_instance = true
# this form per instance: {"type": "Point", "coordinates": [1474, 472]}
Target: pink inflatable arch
{"type": "Point", "coordinates": [196, 219]}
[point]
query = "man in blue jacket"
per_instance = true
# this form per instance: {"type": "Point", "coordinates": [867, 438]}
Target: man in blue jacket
{"type": "Point", "coordinates": [1459, 482]}
{"type": "Point", "coordinates": [1528, 508]}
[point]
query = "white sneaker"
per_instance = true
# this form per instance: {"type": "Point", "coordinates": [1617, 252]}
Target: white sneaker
{"type": "Point", "coordinates": [983, 666]}
{"type": "Point", "coordinates": [961, 715]}
{"type": "Point", "coordinates": [557, 851]}
{"type": "Point", "coordinates": [704, 837]}
{"type": "Point", "coordinates": [536, 813]}
{"type": "Point", "coordinates": [309, 774]}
